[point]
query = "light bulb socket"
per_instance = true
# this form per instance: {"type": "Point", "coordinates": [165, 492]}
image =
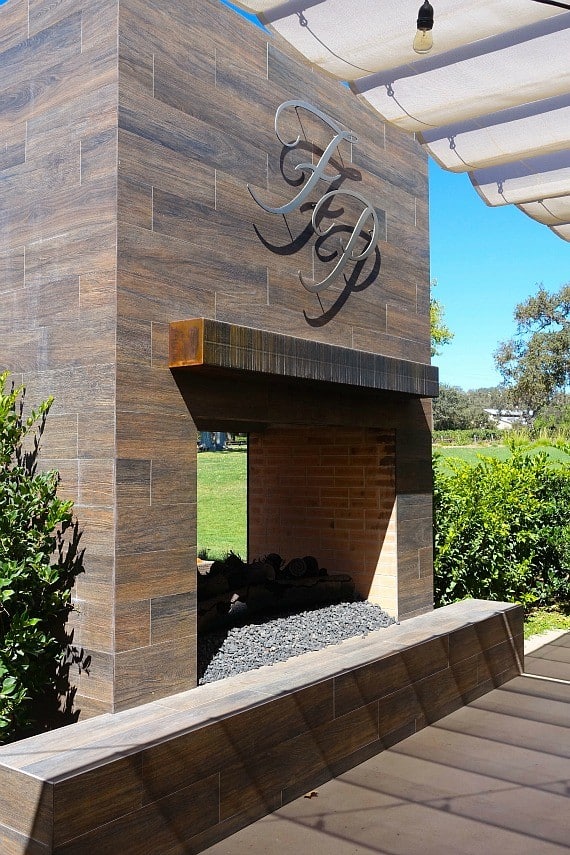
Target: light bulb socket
{"type": "Point", "coordinates": [425, 16]}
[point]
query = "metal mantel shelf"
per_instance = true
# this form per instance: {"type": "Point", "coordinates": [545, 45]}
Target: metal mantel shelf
{"type": "Point", "coordinates": [205, 343]}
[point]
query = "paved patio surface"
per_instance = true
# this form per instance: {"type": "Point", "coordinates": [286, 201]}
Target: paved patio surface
{"type": "Point", "coordinates": [492, 778]}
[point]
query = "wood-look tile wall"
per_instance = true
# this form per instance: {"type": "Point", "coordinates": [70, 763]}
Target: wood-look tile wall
{"type": "Point", "coordinates": [58, 180]}
{"type": "Point", "coordinates": [199, 88]}
{"type": "Point", "coordinates": [129, 130]}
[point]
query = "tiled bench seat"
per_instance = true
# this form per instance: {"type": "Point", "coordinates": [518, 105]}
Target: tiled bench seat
{"type": "Point", "coordinates": [174, 776]}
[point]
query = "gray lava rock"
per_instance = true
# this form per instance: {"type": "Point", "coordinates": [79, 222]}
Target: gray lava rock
{"type": "Point", "coordinates": [263, 642]}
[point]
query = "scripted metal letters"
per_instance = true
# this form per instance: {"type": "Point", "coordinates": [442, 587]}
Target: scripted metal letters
{"type": "Point", "coordinates": [366, 226]}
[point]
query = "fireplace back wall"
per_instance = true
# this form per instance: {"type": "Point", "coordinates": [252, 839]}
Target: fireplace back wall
{"type": "Point", "coordinates": [328, 493]}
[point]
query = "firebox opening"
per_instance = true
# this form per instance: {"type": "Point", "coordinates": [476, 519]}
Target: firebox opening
{"type": "Point", "coordinates": [336, 472]}
{"type": "Point", "coordinates": [320, 531]}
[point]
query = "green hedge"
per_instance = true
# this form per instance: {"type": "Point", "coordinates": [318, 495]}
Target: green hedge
{"type": "Point", "coordinates": [502, 531]}
{"type": "Point", "coordinates": [39, 561]}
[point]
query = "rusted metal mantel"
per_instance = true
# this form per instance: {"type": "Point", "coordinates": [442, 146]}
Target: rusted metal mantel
{"type": "Point", "coordinates": [202, 342]}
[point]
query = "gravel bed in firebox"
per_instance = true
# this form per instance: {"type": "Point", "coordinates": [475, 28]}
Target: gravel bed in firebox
{"type": "Point", "coordinates": [259, 642]}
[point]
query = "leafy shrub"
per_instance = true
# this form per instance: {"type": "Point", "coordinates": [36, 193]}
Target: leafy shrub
{"type": "Point", "coordinates": [39, 561]}
{"type": "Point", "coordinates": [502, 531]}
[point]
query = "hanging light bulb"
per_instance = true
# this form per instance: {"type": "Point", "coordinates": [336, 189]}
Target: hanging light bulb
{"type": "Point", "coordinates": [423, 41]}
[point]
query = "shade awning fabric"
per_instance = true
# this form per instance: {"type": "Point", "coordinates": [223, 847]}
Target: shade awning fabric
{"type": "Point", "coordinates": [492, 97]}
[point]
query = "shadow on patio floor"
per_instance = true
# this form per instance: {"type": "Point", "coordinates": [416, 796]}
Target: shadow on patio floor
{"type": "Point", "coordinates": [492, 778]}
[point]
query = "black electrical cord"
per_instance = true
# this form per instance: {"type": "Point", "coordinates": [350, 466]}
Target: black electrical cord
{"type": "Point", "coordinates": [554, 3]}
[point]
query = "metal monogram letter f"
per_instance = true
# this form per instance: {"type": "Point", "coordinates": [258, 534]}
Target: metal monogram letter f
{"type": "Point", "coordinates": [316, 170]}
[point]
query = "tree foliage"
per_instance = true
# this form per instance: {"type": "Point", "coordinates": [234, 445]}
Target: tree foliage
{"type": "Point", "coordinates": [454, 409]}
{"type": "Point", "coordinates": [535, 364]}
{"type": "Point", "coordinates": [489, 397]}
{"type": "Point", "coordinates": [554, 418]}
{"type": "Point", "coordinates": [440, 332]}
{"type": "Point", "coordinates": [39, 561]}
{"type": "Point", "coordinates": [502, 531]}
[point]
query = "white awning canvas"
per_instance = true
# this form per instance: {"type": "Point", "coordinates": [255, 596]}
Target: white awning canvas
{"type": "Point", "coordinates": [492, 97]}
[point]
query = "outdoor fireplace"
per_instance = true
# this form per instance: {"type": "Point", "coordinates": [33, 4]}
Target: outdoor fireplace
{"type": "Point", "coordinates": [202, 230]}
{"type": "Point", "coordinates": [234, 241]}
{"type": "Point", "coordinates": [336, 469]}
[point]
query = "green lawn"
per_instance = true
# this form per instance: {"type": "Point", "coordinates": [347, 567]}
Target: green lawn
{"type": "Point", "coordinates": [543, 620]}
{"type": "Point", "coordinates": [472, 454]}
{"type": "Point", "coordinates": [222, 480]}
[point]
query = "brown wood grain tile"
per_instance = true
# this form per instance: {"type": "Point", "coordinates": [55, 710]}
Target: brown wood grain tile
{"type": "Point", "coordinates": [156, 827]}
{"type": "Point", "coordinates": [96, 681]}
{"type": "Point", "coordinates": [81, 251]}
{"type": "Point", "coordinates": [175, 764]}
{"type": "Point", "coordinates": [14, 24]}
{"type": "Point", "coordinates": [133, 480]}
{"type": "Point", "coordinates": [173, 618]}
{"type": "Point", "coordinates": [12, 268]}
{"type": "Point", "coordinates": [98, 155]}
{"type": "Point", "coordinates": [96, 482]}
{"type": "Point", "coordinates": [142, 159]}
{"type": "Point", "coordinates": [363, 685]}
{"type": "Point", "coordinates": [97, 291]}
{"type": "Point", "coordinates": [144, 528]}
{"type": "Point", "coordinates": [493, 631]}
{"type": "Point", "coordinates": [140, 297]}
{"type": "Point", "coordinates": [153, 672]}
{"type": "Point", "coordinates": [151, 574]}
{"type": "Point", "coordinates": [135, 203]}
{"type": "Point", "coordinates": [463, 644]}
{"type": "Point", "coordinates": [59, 440]}
{"type": "Point", "coordinates": [139, 435]}
{"type": "Point", "coordinates": [132, 625]}
{"type": "Point", "coordinates": [96, 430]}
{"type": "Point", "coordinates": [134, 341]}
{"type": "Point", "coordinates": [185, 134]}
{"type": "Point", "coordinates": [56, 43]}
{"type": "Point", "coordinates": [92, 623]}
{"type": "Point", "coordinates": [398, 710]}
{"type": "Point", "coordinates": [416, 597]}
{"type": "Point", "coordinates": [96, 797]}
{"type": "Point", "coordinates": [98, 526]}
{"type": "Point", "coordinates": [13, 151]}
{"type": "Point", "coordinates": [14, 843]}
{"type": "Point", "coordinates": [497, 662]}
{"type": "Point", "coordinates": [35, 306]}
{"type": "Point", "coordinates": [25, 804]}
{"type": "Point", "coordinates": [260, 778]}
{"type": "Point", "coordinates": [96, 585]}
{"type": "Point", "coordinates": [142, 389]}
{"type": "Point", "coordinates": [440, 694]}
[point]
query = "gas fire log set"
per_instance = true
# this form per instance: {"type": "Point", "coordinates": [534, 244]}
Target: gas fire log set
{"type": "Point", "coordinates": [232, 589]}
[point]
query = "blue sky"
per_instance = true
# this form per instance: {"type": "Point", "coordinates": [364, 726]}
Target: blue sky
{"type": "Point", "coordinates": [486, 260]}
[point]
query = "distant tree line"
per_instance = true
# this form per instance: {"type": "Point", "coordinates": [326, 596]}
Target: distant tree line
{"type": "Point", "coordinates": [456, 409]}
{"type": "Point", "coordinates": [534, 364]}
